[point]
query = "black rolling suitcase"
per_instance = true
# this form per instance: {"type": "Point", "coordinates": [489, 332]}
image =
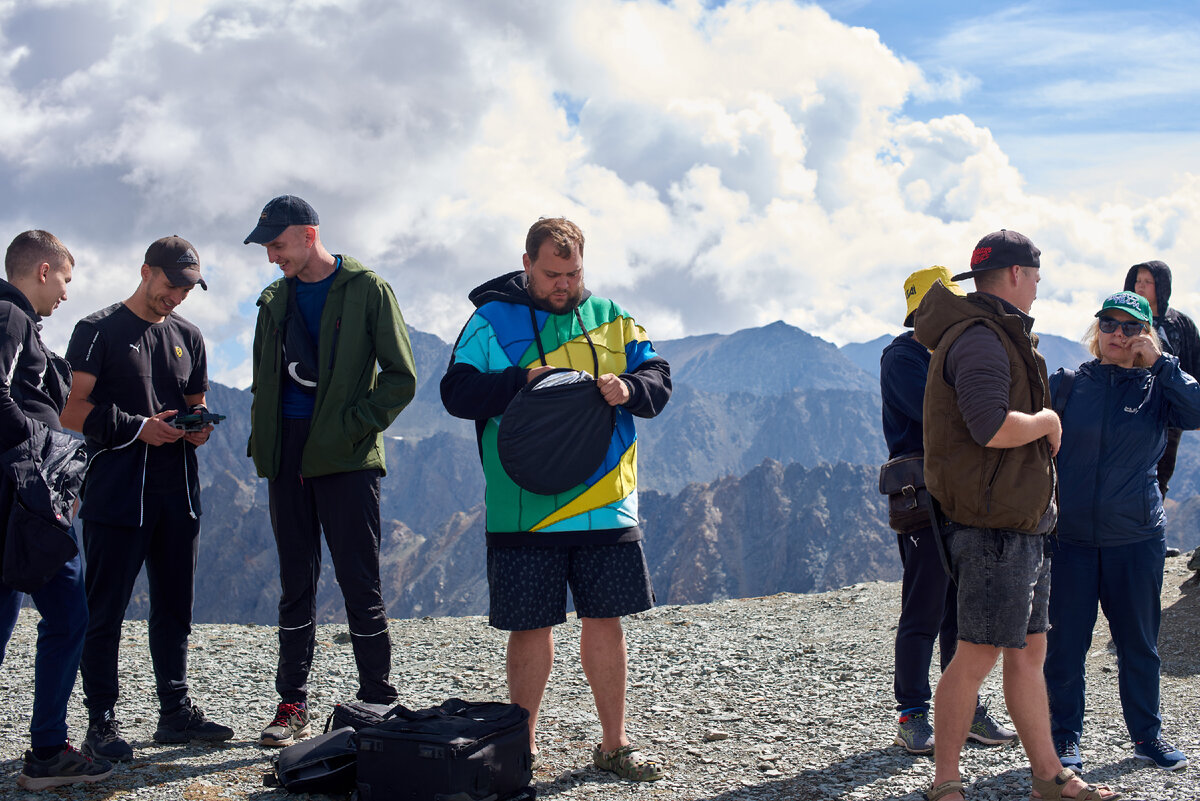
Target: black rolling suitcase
{"type": "Point", "coordinates": [456, 751]}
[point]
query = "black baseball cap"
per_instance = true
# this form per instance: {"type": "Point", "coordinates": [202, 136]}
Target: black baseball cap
{"type": "Point", "coordinates": [999, 251]}
{"type": "Point", "coordinates": [277, 215]}
{"type": "Point", "coordinates": [176, 257]}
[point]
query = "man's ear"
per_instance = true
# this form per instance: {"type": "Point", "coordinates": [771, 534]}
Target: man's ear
{"type": "Point", "coordinates": [145, 272]}
{"type": "Point", "coordinates": [310, 236]}
{"type": "Point", "coordinates": [43, 272]}
{"type": "Point", "coordinates": [526, 261]}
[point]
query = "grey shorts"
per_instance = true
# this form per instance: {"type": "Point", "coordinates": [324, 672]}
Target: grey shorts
{"type": "Point", "coordinates": [1003, 579]}
{"type": "Point", "coordinates": [527, 584]}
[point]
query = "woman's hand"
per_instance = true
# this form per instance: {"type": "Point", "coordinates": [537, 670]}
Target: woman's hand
{"type": "Point", "coordinates": [1145, 352]}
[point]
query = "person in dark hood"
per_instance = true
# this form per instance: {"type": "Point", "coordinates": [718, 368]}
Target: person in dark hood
{"type": "Point", "coordinates": [33, 389]}
{"type": "Point", "coordinates": [1179, 337]}
{"type": "Point", "coordinates": [528, 327]}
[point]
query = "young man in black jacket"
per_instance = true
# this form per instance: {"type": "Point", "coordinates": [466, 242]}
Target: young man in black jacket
{"type": "Point", "coordinates": [33, 388]}
{"type": "Point", "coordinates": [138, 364]}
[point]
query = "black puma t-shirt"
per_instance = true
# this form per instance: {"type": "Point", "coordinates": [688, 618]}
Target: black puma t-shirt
{"type": "Point", "coordinates": [142, 368]}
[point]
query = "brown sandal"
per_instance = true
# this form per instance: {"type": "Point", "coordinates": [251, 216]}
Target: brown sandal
{"type": "Point", "coordinates": [1052, 789]}
{"type": "Point", "coordinates": [944, 789]}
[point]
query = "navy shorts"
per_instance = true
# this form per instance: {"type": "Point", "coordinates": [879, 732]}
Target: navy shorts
{"type": "Point", "coordinates": [528, 583]}
{"type": "Point", "coordinates": [1003, 579]}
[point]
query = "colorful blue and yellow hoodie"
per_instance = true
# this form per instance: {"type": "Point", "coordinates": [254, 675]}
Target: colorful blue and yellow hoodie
{"type": "Point", "coordinates": [488, 368]}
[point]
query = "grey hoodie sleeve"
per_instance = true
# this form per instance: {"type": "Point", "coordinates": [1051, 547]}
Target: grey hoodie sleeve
{"type": "Point", "coordinates": [977, 367]}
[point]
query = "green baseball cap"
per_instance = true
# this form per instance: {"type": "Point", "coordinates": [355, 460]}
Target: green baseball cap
{"type": "Point", "coordinates": [1132, 304]}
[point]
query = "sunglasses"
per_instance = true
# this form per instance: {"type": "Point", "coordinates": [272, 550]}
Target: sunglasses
{"type": "Point", "coordinates": [1130, 328]}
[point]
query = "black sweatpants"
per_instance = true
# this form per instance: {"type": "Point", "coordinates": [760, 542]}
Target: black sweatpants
{"type": "Point", "coordinates": [167, 543]}
{"type": "Point", "coordinates": [346, 506]}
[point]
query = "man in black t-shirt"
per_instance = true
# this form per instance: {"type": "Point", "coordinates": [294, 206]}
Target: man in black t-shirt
{"type": "Point", "coordinates": [137, 364]}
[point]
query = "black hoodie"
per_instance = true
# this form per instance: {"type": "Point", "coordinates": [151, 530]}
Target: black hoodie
{"type": "Point", "coordinates": [1176, 330]}
{"type": "Point", "coordinates": [33, 381]}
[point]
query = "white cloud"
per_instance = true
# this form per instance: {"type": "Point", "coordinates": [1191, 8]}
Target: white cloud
{"type": "Point", "coordinates": [730, 166]}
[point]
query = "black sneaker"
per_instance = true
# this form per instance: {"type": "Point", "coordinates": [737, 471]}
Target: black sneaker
{"type": "Point", "coordinates": [104, 740]}
{"type": "Point", "coordinates": [68, 766]}
{"type": "Point", "coordinates": [189, 723]}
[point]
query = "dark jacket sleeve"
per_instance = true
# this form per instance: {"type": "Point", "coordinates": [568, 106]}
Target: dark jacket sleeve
{"type": "Point", "coordinates": [13, 422]}
{"type": "Point", "coordinates": [472, 395]}
{"type": "Point", "coordinates": [649, 387]}
{"type": "Point", "coordinates": [902, 381]}
{"type": "Point", "coordinates": [1181, 392]}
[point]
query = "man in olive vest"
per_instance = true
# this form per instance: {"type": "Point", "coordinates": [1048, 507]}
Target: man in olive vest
{"type": "Point", "coordinates": [990, 438]}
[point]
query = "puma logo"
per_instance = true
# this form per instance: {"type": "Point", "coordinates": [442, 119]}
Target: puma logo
{"type": "Point", "coordinates": [914, 540]}
{"type": "Point", "coordinates": [137, 347]}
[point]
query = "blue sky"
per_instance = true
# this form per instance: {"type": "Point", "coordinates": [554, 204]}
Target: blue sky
{"type": "Point", "coordinates": [1082, 96]}
{"type": "Point", "coordinates": [732, 164]}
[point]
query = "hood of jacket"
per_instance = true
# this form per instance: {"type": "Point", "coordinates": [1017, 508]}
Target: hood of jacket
{"type": "Point", "coordinates": [17, 298]}
{"type": "Point", "coordinates": [1162, 283]}
{"type": "Point", "coordinates": [941, 309]}
{"type": "Point", "coordinates": [510, 288]}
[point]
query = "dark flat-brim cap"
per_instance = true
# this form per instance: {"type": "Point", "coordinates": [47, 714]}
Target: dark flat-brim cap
{"type": "Point", "coordinates": [278, 215]}
{"type": "Point", "coordinates": [999, 251]}
{"type": "Point", "coordinates": [178, 260]}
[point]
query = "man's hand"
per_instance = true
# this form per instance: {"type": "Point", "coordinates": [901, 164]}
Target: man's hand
{"type": "Point", "coordinates": [156, 431]}
{"type": "Point", "coordinates": [614, 389]}
{"type": "Point", "coordinates": [1021, 428]}
{"type": "Point", "coordinates": [197, 438]}
{"type": "Point", "coordinates": [1054, 435]}
{"type": "Point", "coordinates": [534, 372]}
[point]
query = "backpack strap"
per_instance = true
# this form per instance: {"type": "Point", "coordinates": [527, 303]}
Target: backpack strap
{"type": "Point", "coordinates": [1061, 397]}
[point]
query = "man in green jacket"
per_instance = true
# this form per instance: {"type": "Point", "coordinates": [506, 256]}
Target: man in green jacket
{"type": "Point", "coordinates": [332, 369]}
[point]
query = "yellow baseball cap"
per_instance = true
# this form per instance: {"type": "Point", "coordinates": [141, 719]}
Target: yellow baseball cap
{"type": "Point", "coordinates": [917, 284]}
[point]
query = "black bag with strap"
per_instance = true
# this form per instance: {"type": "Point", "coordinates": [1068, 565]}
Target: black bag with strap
{"type": "Point", "coordinates": [322, 764]}
{"type": "Point", "coordinates": [902, 480]}
{"type": "Point", "coordinates": [456, 751]}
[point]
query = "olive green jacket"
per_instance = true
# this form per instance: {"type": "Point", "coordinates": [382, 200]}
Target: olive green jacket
{"type": "Point", "coordinates": [361, 329]}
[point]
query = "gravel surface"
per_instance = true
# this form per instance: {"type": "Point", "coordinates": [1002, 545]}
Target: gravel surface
{"type": "Point", "coordinates": [783, 697]}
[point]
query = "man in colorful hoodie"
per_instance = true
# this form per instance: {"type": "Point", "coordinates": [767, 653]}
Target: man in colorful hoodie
{"type": "Point", "coordinates": [526, 324]}
{"type": "Point", "coordinates": [332, 368]}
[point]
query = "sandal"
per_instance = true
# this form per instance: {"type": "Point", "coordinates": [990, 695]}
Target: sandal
{"type": "Point", "coordinates": [944, 789]}
{"type": "Point", "coordinates": [628, 763]}
{"type": "Point", "coordinates": [1052, 789]}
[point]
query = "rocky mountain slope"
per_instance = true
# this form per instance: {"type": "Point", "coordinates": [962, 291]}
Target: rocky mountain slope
{"type": "Point", "coordinates": [759, 477]}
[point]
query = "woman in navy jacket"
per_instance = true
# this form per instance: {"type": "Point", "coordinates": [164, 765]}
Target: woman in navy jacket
{"type": "Point", "coordinates": [1110, 545]}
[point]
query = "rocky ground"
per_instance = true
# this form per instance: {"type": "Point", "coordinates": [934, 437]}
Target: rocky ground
{"type": "Point", "coordinates": [783, 697]}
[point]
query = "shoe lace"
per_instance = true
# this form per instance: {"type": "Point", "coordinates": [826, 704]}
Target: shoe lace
{"type": "Point", "coordinates": [108, 729]}
{"type": "Point", "coordinates": [284, 714]}
{"type": "Point", "coordinates": [1065, 748]}
{"type": "Point", "coordinates": [70, 749]}
{"type": "Point", "coordinates": [1158, 744]}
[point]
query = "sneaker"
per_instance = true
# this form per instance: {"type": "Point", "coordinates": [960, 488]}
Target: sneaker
{"type": "Point", "coordinates": [1068, 754]}
{"type": "Point", "coordinates": [915, 733]}
{"type": "Point", "coordinates": [189, 723]}
{"type": "Point", "coordinates": [68, 766]}
{"type": "Point", "coordinates": [986, 731]}
{"type": "Point", "coordinates": [628, 763]}
{"type": "Point", "coordinates": [104, 740]}
{"type": "Point", "coordinates": [290, 724]}
{"type": "Point", "coordinates": [1161, 753]}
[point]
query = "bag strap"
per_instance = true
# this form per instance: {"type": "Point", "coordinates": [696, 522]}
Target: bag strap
{"type": "Point", "coordinates": [1059, 401]}
{"type": "Point", "coordinates": [537, 338]}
